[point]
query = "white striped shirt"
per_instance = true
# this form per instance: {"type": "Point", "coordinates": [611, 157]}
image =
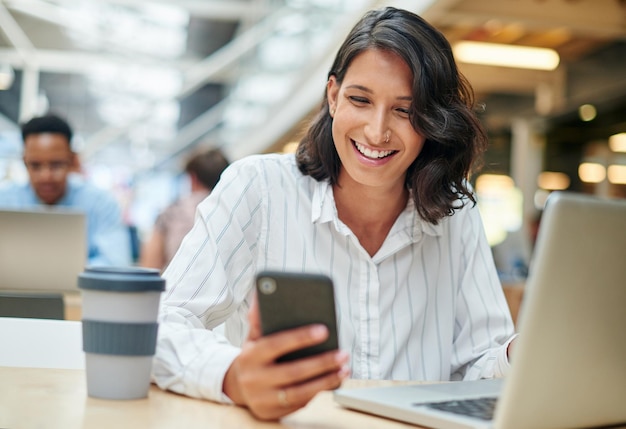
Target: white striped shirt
{"type": "Point", "coordinates": [427, 306]}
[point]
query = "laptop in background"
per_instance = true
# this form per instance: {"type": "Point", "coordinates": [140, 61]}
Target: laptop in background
{"type": "Point", "coordinates": [569, 364]}
{"type": "Point", "coordinates": [42, 250]}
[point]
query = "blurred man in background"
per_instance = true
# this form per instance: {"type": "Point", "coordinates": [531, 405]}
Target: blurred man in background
{"type": "Point", "coordinates": [49, 161]}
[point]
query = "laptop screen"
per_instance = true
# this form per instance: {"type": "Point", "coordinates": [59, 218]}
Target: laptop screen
{"type": "Point", "coordinates": [42, 250]}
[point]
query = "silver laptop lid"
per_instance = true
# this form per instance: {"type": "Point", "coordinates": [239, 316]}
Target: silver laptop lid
{"type": "Point", "coordinates": [569, 366]}
{"type": "Point", "coordinates": [42, 250]}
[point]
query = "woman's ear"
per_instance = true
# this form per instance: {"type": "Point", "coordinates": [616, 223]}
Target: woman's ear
{"type": "Point", "coordinates": [332, 92]}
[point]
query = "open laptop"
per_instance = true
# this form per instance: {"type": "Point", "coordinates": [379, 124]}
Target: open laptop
{"type": "Point", "coordinates": [569, 364]}
{"type": "Point", "coordinates": [42, 250]}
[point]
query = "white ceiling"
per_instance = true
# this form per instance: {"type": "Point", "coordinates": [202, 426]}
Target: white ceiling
{"type": "Point", "coordinates": [144, 81]}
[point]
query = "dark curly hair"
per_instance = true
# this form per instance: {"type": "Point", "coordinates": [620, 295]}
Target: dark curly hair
{"type": "Point", "coordinates": [441, 111]}
{"type": "Point", "coordinates": [47, 124]}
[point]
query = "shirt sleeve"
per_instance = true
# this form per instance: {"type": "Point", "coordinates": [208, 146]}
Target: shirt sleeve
{"type": "Point", "coordinates": [209, 282]}
{"type": "Point", "coordinates": [483, 326]}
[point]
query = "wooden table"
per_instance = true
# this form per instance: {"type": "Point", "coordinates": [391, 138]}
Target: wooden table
{"type": "Point", "coordinates": [73, 306]}
{"type": "Point", "coordinates": [33, 398]}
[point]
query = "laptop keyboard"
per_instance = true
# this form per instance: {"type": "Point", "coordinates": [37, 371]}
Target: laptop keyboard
{"type": "Point", "coordinates": [481, 408]}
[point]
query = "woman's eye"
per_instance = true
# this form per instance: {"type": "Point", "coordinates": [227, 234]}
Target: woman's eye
{"type": "Point", "coordinates": [358, 99]}
{"type": "Point", "coordinates": [404, 112]}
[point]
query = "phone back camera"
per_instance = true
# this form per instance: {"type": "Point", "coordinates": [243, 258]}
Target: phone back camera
{"type": "Point", "coordinates": [267, 285]}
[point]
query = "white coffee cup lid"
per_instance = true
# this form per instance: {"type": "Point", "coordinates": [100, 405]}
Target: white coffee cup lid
{"type": "Point", "coordinates": [121, 279]}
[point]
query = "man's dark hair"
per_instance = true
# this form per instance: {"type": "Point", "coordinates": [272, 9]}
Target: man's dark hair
{"type": "Point", "coordinates": [441, 111]}
{"type": "Point", "coordinates": [207, 167]}
{"type": "Point", "coordinates": [47, 124]}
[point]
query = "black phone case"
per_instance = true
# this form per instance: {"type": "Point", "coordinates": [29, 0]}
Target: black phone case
{"type": "Point", "coordinates": [290, 300]}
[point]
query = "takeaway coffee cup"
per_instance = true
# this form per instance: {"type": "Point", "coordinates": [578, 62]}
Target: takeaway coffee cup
{"type": "Point", "coordinates": [119, 319]}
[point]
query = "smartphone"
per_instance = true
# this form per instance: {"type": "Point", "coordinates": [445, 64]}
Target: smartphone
{"type": "Point", "coordinates": [290, 300]}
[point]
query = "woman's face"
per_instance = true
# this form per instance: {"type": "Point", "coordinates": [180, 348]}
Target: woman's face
{"type": "Point", "coordinates": [371, 128]}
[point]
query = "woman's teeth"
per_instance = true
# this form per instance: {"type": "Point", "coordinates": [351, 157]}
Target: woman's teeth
{"type": "Point", "coordinates": [375, 154]}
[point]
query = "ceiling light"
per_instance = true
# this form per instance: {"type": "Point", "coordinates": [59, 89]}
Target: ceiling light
{"type": "Point", "coordinates": [553, 181]}
{"type": "Point", "coordinates": [591, 172]}
{"type": "Point", "coordinates": [587, 112]}
{"type": "Point", "coordinates": [617, 142]}
{"type": "Point", "coordinates": [490, 183]}
{"type": "Point", "coordinates": [494, 54]}
{"type": "Point", "coordinates": [617, 174]}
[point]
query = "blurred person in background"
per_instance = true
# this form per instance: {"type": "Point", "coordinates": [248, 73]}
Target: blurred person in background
{"type": "Point", "coordinates": [50, 163]}
{"type": "Point", "coordinates": [171, 226]}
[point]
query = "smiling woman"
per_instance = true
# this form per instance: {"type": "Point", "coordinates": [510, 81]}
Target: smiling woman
{"type": "Point", "coordinates": [376, 198]}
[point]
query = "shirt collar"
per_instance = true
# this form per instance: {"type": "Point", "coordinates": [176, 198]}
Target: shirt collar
{"type": "Point", "coordinates": [323, 203]}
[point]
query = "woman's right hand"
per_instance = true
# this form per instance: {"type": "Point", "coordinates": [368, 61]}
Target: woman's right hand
{"type": "Point", "coordinates": [272, 390]}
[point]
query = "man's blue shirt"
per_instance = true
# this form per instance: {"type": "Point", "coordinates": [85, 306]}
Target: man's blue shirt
{"type": "Point", "coordinates": [108, 238]}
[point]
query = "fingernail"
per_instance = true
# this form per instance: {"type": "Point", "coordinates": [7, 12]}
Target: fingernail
{"type": "Point", "coordinates": [344, 373]}
{"type": "Point", "coordinates": [319, 331]}
{"type": "Point", "coordinates": [341, 356]}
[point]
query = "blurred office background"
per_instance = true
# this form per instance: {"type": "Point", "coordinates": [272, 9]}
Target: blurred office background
{"type": "Point", "coordinates": [145, 82]}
